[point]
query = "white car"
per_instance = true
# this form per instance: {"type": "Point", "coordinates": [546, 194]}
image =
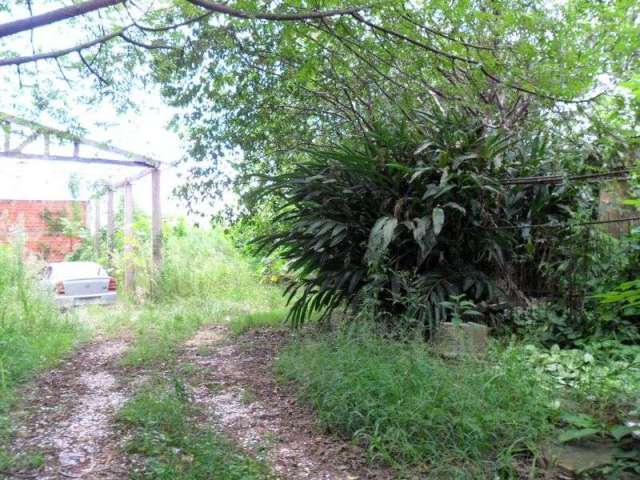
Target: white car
{"type": "Point", "coordinates": [79, 283]}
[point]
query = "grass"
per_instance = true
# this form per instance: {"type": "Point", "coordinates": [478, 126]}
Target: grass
{"type": "Point", "coordinates": [160, 330]}
{"type": "Point", "coordinates": [467, 419]}
{"type": "Point", "coordinates": [164, 430]}
{"type": "Point", "coordinates": [204, 264]}
{"type": "Point", "coordinates": [203, 280]}
{"type": "Point", "coordinates": [248, 321]}
{"type": "Point", "coordinates": [33, 333]}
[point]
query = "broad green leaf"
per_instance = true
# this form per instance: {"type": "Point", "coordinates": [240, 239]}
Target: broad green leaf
{"type": "Point", "coordinates": [577, 434]}
{"type": "Point", "coordinates": [380, 238]}
{"type": "Point", "coordinates": [438, 220]}
{"type": "Point", "coordinates": [620, 431]}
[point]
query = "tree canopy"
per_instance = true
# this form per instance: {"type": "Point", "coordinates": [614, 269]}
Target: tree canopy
{"type": "Point", "coordinates": [270, 78]}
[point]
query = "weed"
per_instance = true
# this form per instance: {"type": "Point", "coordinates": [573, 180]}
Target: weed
{"type": "Point", "coordinates": [203, 281]}
{"type": "Point", "coordinates": [33, 333]}
{"type": "Point", "coordinates": [460, 420]}
{"type": "Point", "coordinates": [247, 397]}
{"type": "Point", "coordinates": [249, 321]}
{"type": "Point", "coordinates": [164, 431]}
{"type": "Point", "coordinates": [159, 331]}
{"type": "Point", "coordinates": [203, 264]}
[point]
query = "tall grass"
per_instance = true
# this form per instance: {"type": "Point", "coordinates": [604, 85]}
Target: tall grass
{"type": "Point", "coordinates": [204, 264]}
{"type": "Point", "coordinates": [464, 419]}
{"type": "Point", "coordinates": [203, 280]}
{"type": "Point", "coordinates": [33, 333]}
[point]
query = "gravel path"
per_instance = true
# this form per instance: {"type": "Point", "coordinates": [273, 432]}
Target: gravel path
{"type": "Point", "coordinates": [237, 390]}
{"type": "Point", "coordinates": [69, 415]}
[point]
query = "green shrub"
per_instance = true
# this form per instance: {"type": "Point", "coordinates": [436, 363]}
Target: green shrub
{"type": "Point", "coordinates": [624, 299]}
{"type": "Point", "coordinates": [601, 376]}
{"type": "Point", "coordinates": [413, 207]}
{"type": "Point", "coordinates": [460, 420]}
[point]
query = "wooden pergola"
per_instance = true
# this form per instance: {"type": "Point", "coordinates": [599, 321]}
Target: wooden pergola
{"type": "Point", "coordinates": [20, 133]}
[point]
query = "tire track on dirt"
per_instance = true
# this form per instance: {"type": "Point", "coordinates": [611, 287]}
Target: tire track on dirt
{"type": "Point", "coordinates": [237, 391]}
{"type": "Point", "coordinates": [68, 414]}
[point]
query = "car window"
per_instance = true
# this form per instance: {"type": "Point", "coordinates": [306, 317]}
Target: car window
{"type": "Point", "coordinates": [78, 270]}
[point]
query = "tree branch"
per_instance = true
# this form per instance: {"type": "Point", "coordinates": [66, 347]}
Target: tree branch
{"type": "Point", "coordinates": [145, 45]}
{"type": "Point", "coordinates": [94, 72]}
{"type": "Point", "coordinates": [65, 51]}
{"type": "Point", "coordinates": [55, 54]}
{"type": "Point", "coordinates": [189, 21]}
{"type": "Point", "coordinates": [469, 61]}
{"type": "Point", "coordinates": [281, 17]}
{"type": "Point", "coordinates": [538, 94]}
{"type": "Point", "coordinates": [30, 23]}
{"type": "Point", "coordinates": [412, 41]}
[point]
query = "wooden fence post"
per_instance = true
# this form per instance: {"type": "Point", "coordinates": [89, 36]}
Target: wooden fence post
{"type": "Point", "coordinates": [96, 227]}
{"type": "Point", "coordinates": [7, 136]}
{"type": "Point", "coordinates": [156, 219]}
{"type": "Point", "coordinates": [129, 273]}
{"type": "Point", "coordinates": [110, 226]}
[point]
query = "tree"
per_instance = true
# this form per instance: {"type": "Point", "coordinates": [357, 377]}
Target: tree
{"type": "Point", "coordinates": [270, 78]}
{"type": "Point", "coordinates": [272, 89]}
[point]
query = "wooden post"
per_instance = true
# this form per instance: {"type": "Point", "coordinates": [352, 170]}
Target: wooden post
{"type": "Point", "coordinates": [7, 136]}
{"type": "Point", "coordinates": [156, 218]}
{"type": "Point", "coordinates": [110, 226]}
{"type": "Point", "coordinates": [76, 149]}
{"type": "Point", "coordinates": [129, 273]}
{"type": "Point", "coordinates": [96, 227]}
{"type": "Point", "coordinates": [47, 144]}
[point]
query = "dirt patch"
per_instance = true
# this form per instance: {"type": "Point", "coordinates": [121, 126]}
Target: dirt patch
{"type": "Point", "coordinates": [239, 393]}
{"type": "Point", "coordinates": [68, 416]}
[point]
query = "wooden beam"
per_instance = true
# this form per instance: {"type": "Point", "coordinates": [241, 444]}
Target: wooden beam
{"type": "Point", "coordinates": [129, 273]}
{"type": "Point", "coordinates": [27, 141]}
{"type": "Point", "coordinates": [156, 219]}
{"type": "Point", "coordinates": [110, 226]}
{"type": "Point", "coordinates": [64, 158]}
{"type": "Point", "coordinates": [96, 227]}
{"type": "Point", "coordinates": [65, 135]}
{"type": "Point", "coordinates": [133, 178]}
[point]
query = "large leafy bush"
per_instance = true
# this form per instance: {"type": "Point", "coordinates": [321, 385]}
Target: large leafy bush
{"type": "Point", "coordinates": [416, 209]}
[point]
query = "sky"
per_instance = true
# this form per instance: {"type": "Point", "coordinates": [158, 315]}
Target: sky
{"type": "Point", "coordinates": [144, 131]}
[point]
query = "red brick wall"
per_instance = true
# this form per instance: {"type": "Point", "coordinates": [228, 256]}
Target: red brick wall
{"type": "Point", "coordinates": [28, 216]}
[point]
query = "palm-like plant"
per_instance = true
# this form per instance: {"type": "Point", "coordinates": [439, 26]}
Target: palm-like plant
{"type": "Point", "coordinates": [424, 202]}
